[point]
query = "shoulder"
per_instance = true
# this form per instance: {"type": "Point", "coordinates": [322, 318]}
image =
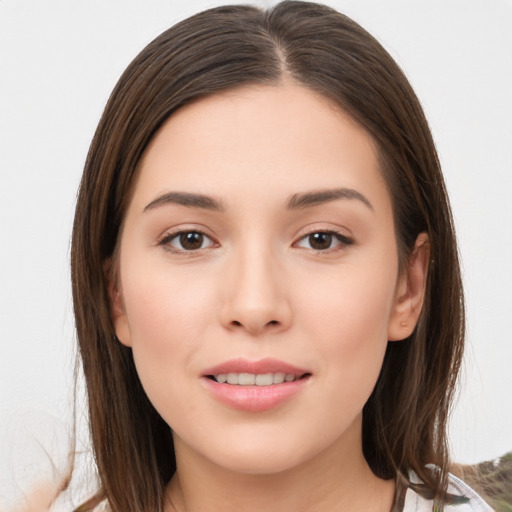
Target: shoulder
{"type": "Point", "coordinates": [463, 498]}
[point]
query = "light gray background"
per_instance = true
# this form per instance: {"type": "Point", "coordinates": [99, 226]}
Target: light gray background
{"type": "Point", "coordinates": [59, 61]}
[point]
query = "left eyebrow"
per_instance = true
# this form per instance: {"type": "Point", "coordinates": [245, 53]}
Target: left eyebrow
{"type": "Point", "coordinates": [307, 199]}
{"type": "Point", "coordinates": [185, 199]}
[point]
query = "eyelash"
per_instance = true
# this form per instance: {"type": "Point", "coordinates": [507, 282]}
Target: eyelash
{"type": "Point", "coordinates": [343, 241]}
{"type": "Point", "coordinates": [168, 238]}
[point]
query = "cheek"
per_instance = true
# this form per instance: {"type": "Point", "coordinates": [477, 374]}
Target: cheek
{"type": "Point", "coordinates": [167, 314]}
{"type": "Point", "coordinates": [162, 305]}
{"type": "Point", "coordinates": [348, 322]}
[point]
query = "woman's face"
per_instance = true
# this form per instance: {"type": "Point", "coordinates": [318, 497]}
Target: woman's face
{"type": "Point", "coordinates": [259, 247]}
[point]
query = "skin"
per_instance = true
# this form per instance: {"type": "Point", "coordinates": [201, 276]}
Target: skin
{"type": "Point", "coordinates": [259, 287]}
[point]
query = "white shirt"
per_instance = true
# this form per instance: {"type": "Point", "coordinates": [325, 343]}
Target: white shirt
{"type": "Point", "coordinates": [474, 503]}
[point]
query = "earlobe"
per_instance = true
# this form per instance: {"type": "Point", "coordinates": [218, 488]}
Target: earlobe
{"type": "Point", "coordinates": [410, 291]}
{"type": "Point", "coordinates": [117, 308]}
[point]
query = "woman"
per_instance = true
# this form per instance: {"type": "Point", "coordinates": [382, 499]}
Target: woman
{"type": "Point", "coordinates": [265, 278]}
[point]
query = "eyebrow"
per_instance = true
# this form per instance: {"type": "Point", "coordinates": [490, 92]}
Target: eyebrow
{"type": "Point", "coordinates": [186, 199]}
{"type": "Point", "coordinates": [307, 199]}
{"type": "Point", "coordinates": [296, 201]}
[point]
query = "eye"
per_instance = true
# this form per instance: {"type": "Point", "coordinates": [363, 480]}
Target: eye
{"type": "Point", "coordinates": [187, 241]}
{"type": "Point", "coordinates": [324, 241]}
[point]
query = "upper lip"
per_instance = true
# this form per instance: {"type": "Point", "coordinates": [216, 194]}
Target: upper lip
{"type": "Point", "coordinates": [267, 365]}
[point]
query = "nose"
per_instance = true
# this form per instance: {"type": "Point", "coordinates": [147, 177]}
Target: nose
{"type": "Point", "coordinates": [255, 298]}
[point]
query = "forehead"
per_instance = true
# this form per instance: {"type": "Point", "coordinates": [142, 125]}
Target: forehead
{"type": "Point", "coordinates": [260, 141]}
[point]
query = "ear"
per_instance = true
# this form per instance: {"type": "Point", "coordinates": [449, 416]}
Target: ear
{"type": "Point", "coordinates": [410, 292]}
{"type": "Point", "coordinates": [117, 308]}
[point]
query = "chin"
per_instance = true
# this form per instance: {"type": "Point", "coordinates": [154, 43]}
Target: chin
{"type": "Point", "coordinates": [261, 454]}
{"type": "Point", "coordinates": [258, 464]}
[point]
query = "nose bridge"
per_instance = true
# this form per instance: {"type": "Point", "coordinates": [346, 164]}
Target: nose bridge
{"type": "Point", "coordinates": [256, 275]}
{"type": "Point", "coordinates": [256, 297]}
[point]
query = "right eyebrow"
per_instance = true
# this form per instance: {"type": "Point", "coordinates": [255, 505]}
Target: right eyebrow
{"type": "Point", "coordinates": [185, 199]}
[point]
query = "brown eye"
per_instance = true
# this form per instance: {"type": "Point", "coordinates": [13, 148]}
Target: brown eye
{"type": "Point", "coordinates": [191, 240]}
{"type": "Point", "coordinates": [324, 241]}
{"type": "Point", "coordinates": [187, 241]}
{"type": "Point", "coordinates": [320, 241]}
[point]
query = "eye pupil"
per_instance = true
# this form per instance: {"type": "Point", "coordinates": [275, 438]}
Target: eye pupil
{"type": "Point", "coordinates": [191, 240]}
{"type": "Point", "coordinates": [320, 241]}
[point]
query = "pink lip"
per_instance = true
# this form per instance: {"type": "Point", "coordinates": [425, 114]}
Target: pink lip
{"type": "Point", "coordinates": [262, 366]}
{"type": "Point", "coordinates": [255, 398]}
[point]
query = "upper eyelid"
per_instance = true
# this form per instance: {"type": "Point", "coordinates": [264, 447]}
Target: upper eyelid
{"type": "Point", "coordinates": [342, 237]}
{"type": "Point", "coordinates": [171, 232]}
{"type": "Point", "coordinates": [318, 229]}
{"type": "Point", "coordinates": [169, 236]}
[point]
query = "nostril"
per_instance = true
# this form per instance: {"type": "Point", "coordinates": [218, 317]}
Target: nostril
{"type": "Point", "coordinates": [254, 326]}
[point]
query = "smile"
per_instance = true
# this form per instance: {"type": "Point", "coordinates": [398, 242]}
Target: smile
{"type": "Point", "coordinates": [255, 386]}
{"type": "Point", "coordinates": [251, 379]}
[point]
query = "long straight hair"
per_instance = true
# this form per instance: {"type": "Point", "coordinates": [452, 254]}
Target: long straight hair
{"type": "Point", "coordinates": [405, 419]}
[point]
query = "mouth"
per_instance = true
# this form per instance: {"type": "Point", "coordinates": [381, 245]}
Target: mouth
{"type": "Point", "coordinates": [255, 386]}
{"type": "Point", "coordinates": [256, 379]}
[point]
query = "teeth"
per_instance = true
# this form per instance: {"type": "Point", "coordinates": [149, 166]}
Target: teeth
{"type": "Point", "coordinates": [264, 379]}
{"type": "Point", "coordinates": [250, 379]}
{"type": "Point", "coordinates": [232, 378]}
{"type": "Point", "coordinates": [279, 378]}
{"type": "Point", "coordinates": [246, 379]}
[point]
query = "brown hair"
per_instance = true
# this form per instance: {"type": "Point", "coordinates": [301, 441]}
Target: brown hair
{"type": "Point", "coordinates": [404, 421]}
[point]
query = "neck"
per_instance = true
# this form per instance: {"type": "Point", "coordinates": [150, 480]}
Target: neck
{"type": "Point", "coordinates": [337, 479]}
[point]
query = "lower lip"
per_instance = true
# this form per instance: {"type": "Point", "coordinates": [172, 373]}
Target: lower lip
{"type": "Point", "coordinates": [255, 398]}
